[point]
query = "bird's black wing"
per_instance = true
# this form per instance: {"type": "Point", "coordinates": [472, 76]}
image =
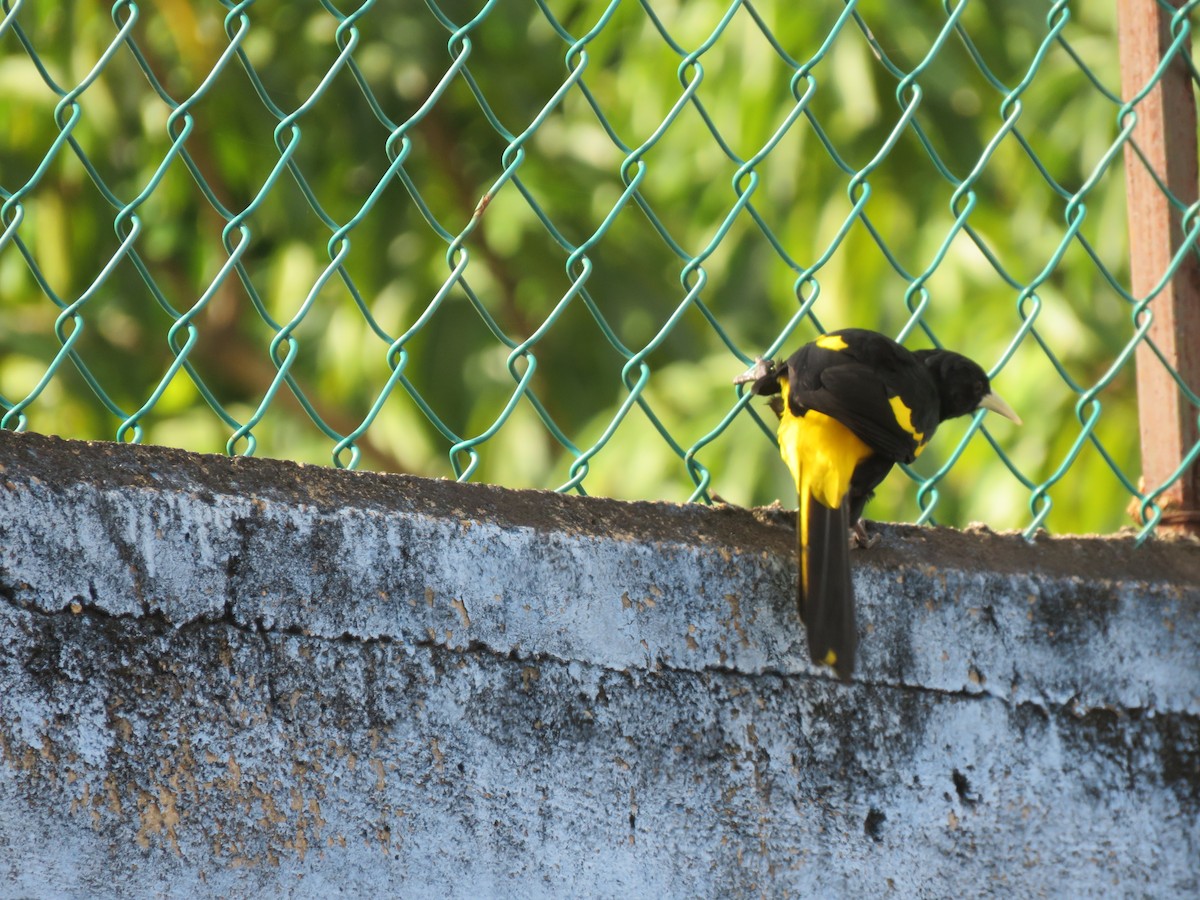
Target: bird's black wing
{"type": "Point", "coordinates": [859, 398]}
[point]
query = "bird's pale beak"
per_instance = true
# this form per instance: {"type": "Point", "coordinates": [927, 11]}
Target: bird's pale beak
{"type": "Point", "coordinates": [996, 404]}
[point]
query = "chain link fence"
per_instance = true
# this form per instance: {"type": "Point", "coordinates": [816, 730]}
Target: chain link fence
{"type": "Point", "coordinates": [533, 243]}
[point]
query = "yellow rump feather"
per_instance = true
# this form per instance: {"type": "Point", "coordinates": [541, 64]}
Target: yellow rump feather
{"type": "Point", "coordinates": [821, 453]}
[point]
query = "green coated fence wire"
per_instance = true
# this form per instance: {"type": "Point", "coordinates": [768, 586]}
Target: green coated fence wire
{"type": "Point", "coordinates": [533, 243]}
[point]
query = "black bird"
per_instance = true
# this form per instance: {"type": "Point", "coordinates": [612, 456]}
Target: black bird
{"type": "Point", "coordinates": [852, 404]}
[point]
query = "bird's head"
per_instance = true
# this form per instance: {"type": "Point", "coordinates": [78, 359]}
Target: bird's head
{"type": "Point", "coordinates": [963, 385]}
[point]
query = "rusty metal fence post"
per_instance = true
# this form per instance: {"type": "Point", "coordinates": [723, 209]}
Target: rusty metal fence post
{"type": "Point", "coordinates": [1165, 135]}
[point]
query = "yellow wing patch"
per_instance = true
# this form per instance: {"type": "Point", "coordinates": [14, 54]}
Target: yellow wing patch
{"type": "Point", "coordinates": [903, 416]}
{"type": "Point", "coordinates": [831, 342]}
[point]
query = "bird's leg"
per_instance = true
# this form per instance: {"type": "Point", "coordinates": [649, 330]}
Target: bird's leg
{"type": "Point", "coordinates": [859, 539]}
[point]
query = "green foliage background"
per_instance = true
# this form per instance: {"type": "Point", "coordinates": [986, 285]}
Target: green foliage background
{"type": "Point", "coordinates": [572, 167]}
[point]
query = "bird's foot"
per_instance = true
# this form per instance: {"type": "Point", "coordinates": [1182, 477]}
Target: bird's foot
{"type": "Point", "coordinates": [859, 539]}
{"type": "Point", "coordinates": [761, 369]}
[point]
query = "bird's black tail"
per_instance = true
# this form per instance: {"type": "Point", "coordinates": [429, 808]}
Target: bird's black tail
{"type": "Point", "coordinates": [826, 592]}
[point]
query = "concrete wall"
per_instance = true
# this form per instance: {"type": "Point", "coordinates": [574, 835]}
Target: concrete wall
{"type": "Point", "coordinates": [226, 677]}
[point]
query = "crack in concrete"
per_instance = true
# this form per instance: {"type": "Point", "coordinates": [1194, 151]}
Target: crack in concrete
{"type": "Point", "coordinates": [1047, 709]}
{"type": "Point", "coordinates": [258, 628]}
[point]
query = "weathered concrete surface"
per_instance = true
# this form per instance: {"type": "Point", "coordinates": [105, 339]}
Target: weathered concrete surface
{"type": "Point", "coordinates": [239, 676]}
